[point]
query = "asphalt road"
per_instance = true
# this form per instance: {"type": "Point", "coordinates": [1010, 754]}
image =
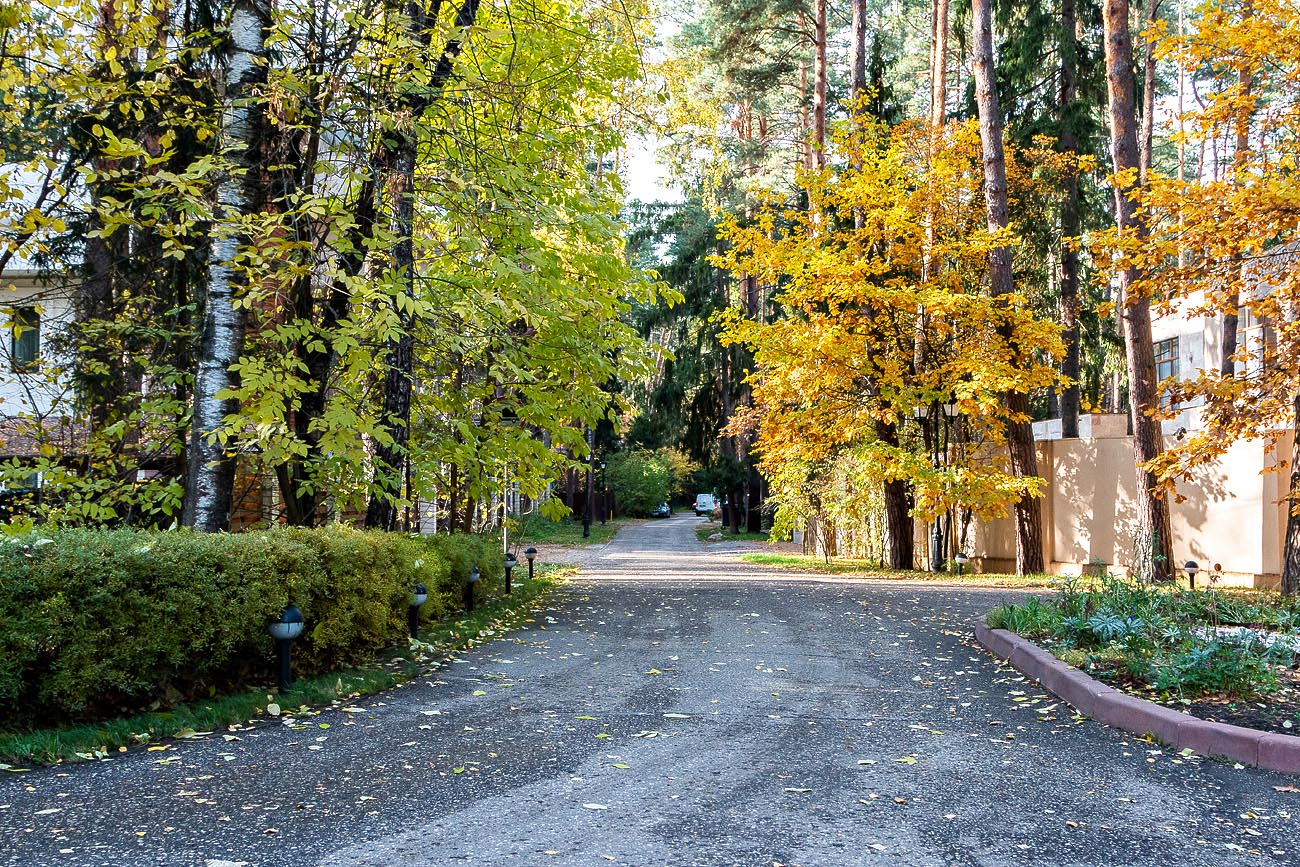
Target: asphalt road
{"type": "Point", "coordinates": [676, 707]}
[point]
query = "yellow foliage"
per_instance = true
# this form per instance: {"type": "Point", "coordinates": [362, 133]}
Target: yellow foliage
{"type": "Point", "coordinates": [882, 280]}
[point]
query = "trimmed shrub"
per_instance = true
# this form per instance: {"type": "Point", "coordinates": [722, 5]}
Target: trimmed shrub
{"type": "Point", "coordinates": [104, 622]}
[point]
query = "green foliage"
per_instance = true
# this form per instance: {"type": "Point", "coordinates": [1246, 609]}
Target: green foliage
{"type": "Point", "coordinates": [98, 622]}
{"type": "Point", "coordinates": [640, 480]}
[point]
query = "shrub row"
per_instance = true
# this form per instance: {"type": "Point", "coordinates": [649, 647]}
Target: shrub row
{"type": "Point", "coordinates": [102, 622]}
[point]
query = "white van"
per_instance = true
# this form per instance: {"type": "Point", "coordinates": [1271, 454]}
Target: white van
{"type": "Point", "coordinates": [704, 505]}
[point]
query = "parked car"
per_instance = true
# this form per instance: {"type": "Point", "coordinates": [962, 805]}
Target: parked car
{"type": "Point", "coordinates": [662, 511]}
{"type": "Point", "coordinates": [704, 505]}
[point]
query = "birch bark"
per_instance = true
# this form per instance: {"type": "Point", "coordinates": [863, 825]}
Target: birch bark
{"type": "Point", "coordinates": [239, 193]}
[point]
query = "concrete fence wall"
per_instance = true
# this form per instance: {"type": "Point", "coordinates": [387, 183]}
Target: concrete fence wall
{"type": "Point", "coordinates": [1231, 513]}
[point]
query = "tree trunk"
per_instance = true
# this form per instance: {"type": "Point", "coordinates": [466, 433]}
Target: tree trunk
{"type": "Point", "coordinates": [819, 85]}
{"type": "Point", "coordinates": [858, 53]}
{"type": "Point", "coordinates": [211, 470]}
{"type": "Point", "coordinates": [1291, 546]}
{"type": "Point", "coordinates": [901, 550]}
{"type": "Point", "coordinates": [939, 65]}
{"type": "Point", "coordinates": [390, 458]}
{"type": "Point", "coordinates": [1240, 154]}
{"type": "Point", "coordinates": [1153, 512]}
{"type": "Point", "coordinates": [1146, 141]}
{"type": "Point", "coordinates": [1020, 438]}
{"type": "Point", "coordinates": [1069, 222]}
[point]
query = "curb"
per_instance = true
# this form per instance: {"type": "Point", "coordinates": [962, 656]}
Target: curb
{"type": "Point", "coordinates": [1272, 752]}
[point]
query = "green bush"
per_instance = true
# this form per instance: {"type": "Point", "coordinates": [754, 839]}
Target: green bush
{"type": "Point", "coordinates": [639, 480]}
{"type": "Point", "coordinates": [103, 622]}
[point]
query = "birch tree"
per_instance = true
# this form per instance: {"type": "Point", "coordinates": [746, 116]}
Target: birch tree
{"type": "Point", "coordinates": [240, 194]}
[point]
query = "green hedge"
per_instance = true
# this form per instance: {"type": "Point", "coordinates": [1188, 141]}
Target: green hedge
{"type": "Point", "coordinates": [97, 623]}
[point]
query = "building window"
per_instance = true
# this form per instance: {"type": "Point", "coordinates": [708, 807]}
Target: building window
{"type": "Point", "coordinates": [25, 339]}
{"type": "Point", "coordinates": [1166, 359]}
{"type": "Point", "coordinates": [1166, 352]}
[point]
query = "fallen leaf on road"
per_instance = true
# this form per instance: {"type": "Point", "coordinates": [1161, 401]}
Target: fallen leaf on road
{"type": "Point", "coordinates": [480, 692]}
{"type": "Point", "coordinates": [596, 806]}
{"type": "Point", "coordinates": [1292, 789]}
{"type": "Point", "coordinates": [907, 760]}
{"type": "Point", "coordinates": [623, 767]}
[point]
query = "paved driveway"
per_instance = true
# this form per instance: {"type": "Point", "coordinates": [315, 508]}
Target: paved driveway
{"type": "Point", "coordinates": [676, 707]}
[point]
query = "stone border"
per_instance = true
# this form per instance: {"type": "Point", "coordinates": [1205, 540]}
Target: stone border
{"type": "Point", "coordinates": [1273, 752]}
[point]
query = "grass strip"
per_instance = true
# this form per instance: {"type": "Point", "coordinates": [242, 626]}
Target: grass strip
{"type": "Point", "coordinates": [398, 664]}
{"type": "Point", "coordinates": [703, 534]}
{"type": "Point", "coordinates": [847, 566]}
{"type": "Point", "coordinates": [567, 533]}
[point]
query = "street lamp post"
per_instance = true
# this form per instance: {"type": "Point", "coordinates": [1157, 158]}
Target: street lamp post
{"type": "Point", "coordinates": [604, 495]}
{"type": "Point", "coordinates": [531, 553]}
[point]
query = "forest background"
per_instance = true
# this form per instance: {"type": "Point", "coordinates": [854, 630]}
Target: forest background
{"type": "Point", "coordinates": [379, 253]}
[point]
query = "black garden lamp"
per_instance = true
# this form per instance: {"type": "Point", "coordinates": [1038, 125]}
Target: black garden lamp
{"type": "Point", "coordinates": [284, 631]}
{"type": "Point", "coordinates": [531, 553]}
{"type": "Point", "coordinates": [419, 596]}
{"type": "Point", "coordinates": [511, 563]}
{"type": "Point", "coordinates": [469, 590]}
{"type": "Point", "coordinates": [961, 560]}
{"type": "Point", "coordinates": [1192, 568]}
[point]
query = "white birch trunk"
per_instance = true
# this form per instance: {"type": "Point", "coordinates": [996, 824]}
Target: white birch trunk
{"type": "Point", "coordinates": [210, 466]}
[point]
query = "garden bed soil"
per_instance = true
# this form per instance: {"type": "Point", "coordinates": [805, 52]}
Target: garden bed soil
{"type": "Point", "coordinates": [1277, 712]}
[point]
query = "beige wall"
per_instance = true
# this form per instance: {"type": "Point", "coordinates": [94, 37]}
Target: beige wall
{"type": "Point", "coordinates": [1231, 512]}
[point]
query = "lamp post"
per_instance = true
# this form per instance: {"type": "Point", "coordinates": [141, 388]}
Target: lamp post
{"type": "Point", "coordinates": [1192, 568]}
{"type": "Point", "coordinates": [511, 563]}
{"type": "Point", "coordinates": [591, 460]}
{"type": "Point", "coordinates": [961, 560]}
{"type": "Point", "coordinates": [469, 590]}
{"type": "Point", "coordinates": [284, 631]}
{"type": "Point", "coordinates": [604, 495]}
{"type": "Point", "coordinates": [418, 597]}
{"type": "Point", "coordinates": [531, 553]}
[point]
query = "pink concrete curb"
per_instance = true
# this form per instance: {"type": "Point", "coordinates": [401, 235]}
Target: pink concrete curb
{"type": "Point", "coordinates": [1273, 752]}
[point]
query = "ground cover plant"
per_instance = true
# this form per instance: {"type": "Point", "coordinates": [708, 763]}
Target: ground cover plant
{"type": "Point", "coordinates": [1224, 655]}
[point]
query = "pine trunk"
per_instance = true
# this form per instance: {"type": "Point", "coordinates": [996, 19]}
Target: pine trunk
{"type": "Point", "coordinates": [1020, 438]}
{"type": "Point", "coordinates": [211, 466]}
{"type": "Point", "coordinates": [1069, 223]}
{"type": "Point", "coordinates": [1135, 313]}
{"type": "Point", "coordinates": [819, 85]}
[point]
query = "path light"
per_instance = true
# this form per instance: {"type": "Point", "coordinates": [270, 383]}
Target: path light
{"type": "Point", "coordinates": [961, 560]}
{"type": "Point", "coordinates": [1192, 568]}
{"type": "Point", "coordinates": [531, 553]}
{"type": "Point", "coordinates": [511, 563]}
{"type": "Point", "coordinates": [284, 631]}
{"type": "Point", "coordinates": [418, 597]}
{"type": "Point", "coordinates": [469, 590]}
